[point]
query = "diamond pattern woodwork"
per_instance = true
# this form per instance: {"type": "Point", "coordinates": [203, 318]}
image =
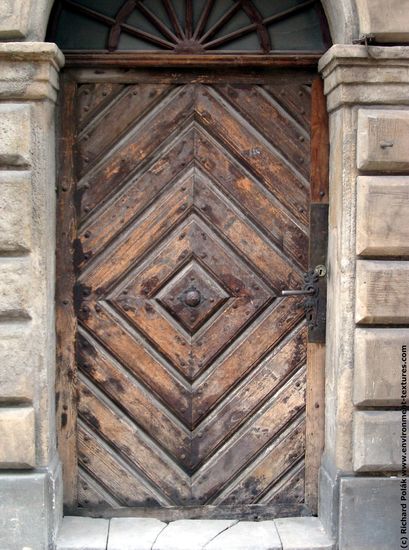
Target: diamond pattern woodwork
{"type": "Point", "coordinates": [198, 290]}
{"type": "Point", "coordinates": [193, 215]}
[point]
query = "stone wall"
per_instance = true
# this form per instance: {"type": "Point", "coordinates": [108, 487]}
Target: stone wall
{"type": "Point", "coordinates": [368, 101]}
{"type": "Point", "coordinates": [29, 467]}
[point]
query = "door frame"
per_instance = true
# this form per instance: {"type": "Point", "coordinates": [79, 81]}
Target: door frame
{"type": "Point", "coordinates": [80, 68]}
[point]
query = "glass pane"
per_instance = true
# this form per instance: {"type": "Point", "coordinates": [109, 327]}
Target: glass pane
{"type": "Point", "coordinates": [268, 8]}
{"type": "Point", "coordinates": [219, 9]}
{"type": "Point", "coordinates": [136, 19]}
{"type": "Point", "coordinates": [301, 32]}
{"type": "Point", "coordinates": [106, 7]}
{"type": "Point", "coordinates": [88, 35]}
{"type": "Point", "coordinates": [156, 7]}
{"type": "Point", "coordinates": [298, 30]}
{"type": "Point", "coordinates": [131, 43]}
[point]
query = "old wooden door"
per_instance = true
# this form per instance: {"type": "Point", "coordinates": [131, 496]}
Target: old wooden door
{"type": "Point", "coordinates": [191, 215]}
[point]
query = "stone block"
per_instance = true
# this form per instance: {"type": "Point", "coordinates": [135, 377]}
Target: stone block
{"type": "Point", "coordinates": [190, 534]}
{"type": "Point", "coordinates": [377, 441]}
{"type": "Point", "coordinates": [15, 212]}
{"type": "Point", "coordinates": [133, 533]}
{"type": "Point", "coordinates": [78, 533]}
{"type": "Point", "coordinates": [382, 295]}
{"type": "Point", "coordinates": [388, 20]}
{"type": "Point", "coordinates": [14, 19]}
{"type": "Point", "coordinates": [15, 135]}
{"type": "Point", "coordinates": [17, 436]}
{"type": "Point", "coordinates": [14, 287]}
{"type": "Point", "coordinates": [378, 364]}
{"type": "Point", "coordinates": [370, 514]}
{"type": "Point", "coordinates": [382, 216]}
{"type": "Point", "coordinates": [303, 534]}
{"type": "Point", "coordinates": [29, 71]}
{"type": "Point", "coordinates": [17, 362]}
{"type": "Point", "coordinates": [247, 535]}
{"type": "Point", "coordinates": [25, 512]}
{"type": "Point", "coordinates": [328, 499]}
{"type": "Point", "coordinates": [383, 140]}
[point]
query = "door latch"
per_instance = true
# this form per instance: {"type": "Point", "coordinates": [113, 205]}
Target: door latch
{"type": "Point", "coordinates": [311, 291]}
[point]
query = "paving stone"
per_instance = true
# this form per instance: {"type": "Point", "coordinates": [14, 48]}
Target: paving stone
{"type": "Point", "coordinates": [247, 535]}
{"type": "Point", "coordinates": [133, 533]}
{"type": "Point", "coordinates": [303, 534]}
{"type": "Point", "coordinates": [83, 534]}
{"type": "Point", "coordinates": [190, 534]}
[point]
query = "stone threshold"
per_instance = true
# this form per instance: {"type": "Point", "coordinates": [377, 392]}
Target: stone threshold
{"type": "Point", "coordinates": [82, 533]}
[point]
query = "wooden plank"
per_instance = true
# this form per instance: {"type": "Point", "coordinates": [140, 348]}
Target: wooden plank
{"type": "Point", "coordinates": [258, 155]}
{"type": "Point", "coordinates": [319, 144]}
{"type": "Point", "coordinates": [223, 467]}
{"type": "Point", "coordinates": [256, 106]}
{"type": "Point", "coordinates": [120, 481]}
{"type": "Point", "coordinates": [282, 456]}
{"type": "Point", "coordinates": [131, 445]}
{"type": "Point", "coordinates": [143, 364]}
{"type": "Point", "coordinates": [259, 386]}
{"type": "Point", "coordinates": [315, 408]}
{"type": "Point", "coordinates": [159, 59]}
{"type": "Point", "coordinates": [137, 196]}
{"type": "Point", "coordinates": [248, 512]}
{"type": "Point", "coordinates": [102, 181]}
{"type": "Point", "coordinates": [259, 205]}
{"type": "Point", "coordinates": [245, 355]}
{"type": "Point", "coordinates": [66, 322]}
{"type": "Point", "coordinates": [92, 98]}
{"type": "Point", "coordinates": [127, 110]}
{"type": "Point", "coordinates": [136, 401]}
{"type": "Point", "coordinates": [294, 96]}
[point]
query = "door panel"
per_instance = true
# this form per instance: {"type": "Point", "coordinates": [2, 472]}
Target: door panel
{"type": "Point", "coordinates": [192, 206]}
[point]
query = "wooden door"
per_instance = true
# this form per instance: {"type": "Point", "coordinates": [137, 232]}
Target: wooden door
{"type": "Point", "coordinates": [187, 385]}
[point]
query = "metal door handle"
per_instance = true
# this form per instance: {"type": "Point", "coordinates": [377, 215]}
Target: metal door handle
{"type": "Point", "coordinates": [305, 292]}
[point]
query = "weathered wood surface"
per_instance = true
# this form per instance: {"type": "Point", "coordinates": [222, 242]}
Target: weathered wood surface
{"type": "Point", "coordinates": [319, 194]}
{"type": "Point", "coordinates": [66, 321]}
{"type": "Point", "coordinates": [191, 189]}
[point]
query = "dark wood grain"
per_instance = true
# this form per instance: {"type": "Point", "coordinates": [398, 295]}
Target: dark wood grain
{"type": "Point", "coordinates": [66, 320]}
{"type": "Point", "coordinates": [193, 189]}
{"type": "Point", "coordinates": [315, 399]}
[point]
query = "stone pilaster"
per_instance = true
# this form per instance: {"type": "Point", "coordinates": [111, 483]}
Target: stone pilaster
{"type": "Point", "coordinates": [368, 315]}
{"type": "Point", "coordinates": [30, 474]}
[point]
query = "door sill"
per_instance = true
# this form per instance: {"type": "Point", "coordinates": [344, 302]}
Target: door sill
{"type": "Point", "coordinates": [88, 533]}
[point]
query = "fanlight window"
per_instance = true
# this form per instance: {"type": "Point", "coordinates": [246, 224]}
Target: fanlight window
{"type": "Point", "coordinates": [189, 26]}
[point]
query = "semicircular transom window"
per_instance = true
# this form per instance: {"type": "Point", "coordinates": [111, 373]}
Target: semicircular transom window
{"type": "Point", "coordinates": [189, 26]}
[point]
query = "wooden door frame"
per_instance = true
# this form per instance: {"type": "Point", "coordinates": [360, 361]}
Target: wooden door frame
{"type": "Point", "coordinates": [82, 67]}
